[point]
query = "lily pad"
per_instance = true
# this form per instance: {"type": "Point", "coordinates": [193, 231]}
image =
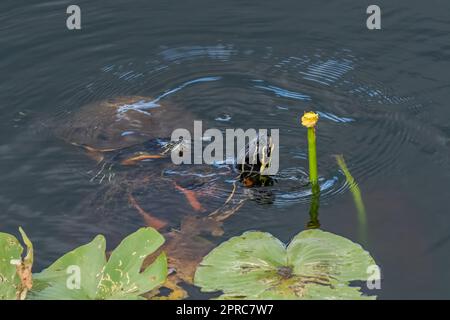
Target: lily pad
{"type": "Point", "coordinates": [15, 272]}
{"type": "Point", "coordinates": [84, 273]}
{"type": "Point", "coordinates": [256, 265]}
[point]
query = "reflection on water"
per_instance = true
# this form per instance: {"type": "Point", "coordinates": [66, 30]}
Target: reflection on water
{"type": "Point", "coordinates": [314, 222]}
{"type": "Point", "coordinates": [382, 102]}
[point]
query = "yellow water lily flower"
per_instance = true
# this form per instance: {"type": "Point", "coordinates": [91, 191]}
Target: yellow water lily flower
{"type": "Point", "coordinates": [310, 119]}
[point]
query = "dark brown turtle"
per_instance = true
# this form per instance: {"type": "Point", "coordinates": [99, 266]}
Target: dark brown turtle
{"type": "Point", "coordinates": [129, 137]}
{"type": "Point", "coordinates": [123, 121]}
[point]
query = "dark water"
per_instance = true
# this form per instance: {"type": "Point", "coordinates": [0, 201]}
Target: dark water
{"type": "Point", "coordinates": [382, 96]}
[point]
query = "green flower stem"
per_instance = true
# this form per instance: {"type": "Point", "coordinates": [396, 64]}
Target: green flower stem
{"type": "Point", "coordinates": [309, 120]}
{"type": "Point", "coordinates": [357, 198]}
{"type": "Point", "coordinates": [312, 155]}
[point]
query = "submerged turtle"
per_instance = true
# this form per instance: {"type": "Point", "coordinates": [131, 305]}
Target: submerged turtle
{"type": "Point", "coordinates": [121, 122]}
{"type": "Point", "coordinates": [129, 137]}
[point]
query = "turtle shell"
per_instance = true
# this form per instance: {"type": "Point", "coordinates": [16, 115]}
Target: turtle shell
{"type": "Point", "coordinates": [121, 122]}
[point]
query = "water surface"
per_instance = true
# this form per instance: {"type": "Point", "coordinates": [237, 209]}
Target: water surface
{"type": "Point", "coordinates": [382, 98]}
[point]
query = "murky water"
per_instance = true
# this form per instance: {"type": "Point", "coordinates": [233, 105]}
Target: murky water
{"type": "Point", "coordinates": [382, 98]}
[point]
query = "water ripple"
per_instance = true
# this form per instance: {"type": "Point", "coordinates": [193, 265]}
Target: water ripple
{"type": "Point", "coordinates": [359, 117]}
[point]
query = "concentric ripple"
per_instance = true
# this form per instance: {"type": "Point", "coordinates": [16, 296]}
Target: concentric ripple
{"type": "Point", "coordinates": [230, 87]}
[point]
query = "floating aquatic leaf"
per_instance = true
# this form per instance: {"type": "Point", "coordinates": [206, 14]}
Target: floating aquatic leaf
{"type": "Point", "coordinates": [15, 272]}
{"type": "Point", "coordinates": [256, 265]}
{"type": "Point", "coordinates": [84, 272]}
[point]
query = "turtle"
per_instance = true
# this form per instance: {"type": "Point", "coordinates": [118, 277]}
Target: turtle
{"type": "Point", "coordinates": [129, 138]}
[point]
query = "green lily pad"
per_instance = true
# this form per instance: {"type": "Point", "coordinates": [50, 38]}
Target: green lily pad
{"type": "Point", "coordinates": [15, 272]}
{"type": "Point", "coordinates": [256, 265]}
{"type": "Point", "coordinates": [84, 273]}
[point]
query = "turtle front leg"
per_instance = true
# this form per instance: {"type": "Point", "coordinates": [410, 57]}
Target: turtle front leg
{"type": "Point", "coordinates": [96, 154]}
{"type": "Point", "coordinates": [150, 220]}
{"type": "Point", "coordinates": [140, 157]}
{"type": "Point", "coordinates": [191, 197]}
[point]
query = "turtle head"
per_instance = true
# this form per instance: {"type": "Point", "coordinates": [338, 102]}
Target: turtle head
{"type": "Point", "coordinates": [255, 159]}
